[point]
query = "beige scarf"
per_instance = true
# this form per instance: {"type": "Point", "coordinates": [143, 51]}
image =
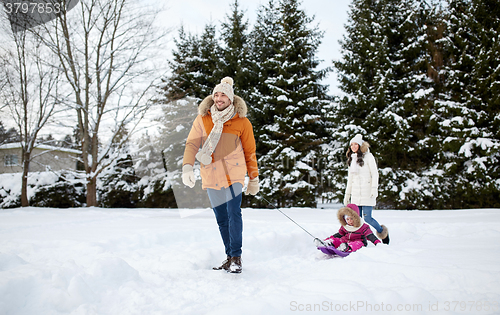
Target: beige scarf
{"type": "Point", "coordinates": [219, 118]}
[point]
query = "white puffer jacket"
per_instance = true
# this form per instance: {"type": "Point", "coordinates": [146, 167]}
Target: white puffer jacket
{"type": "Point", "coordinates": [362, 182]}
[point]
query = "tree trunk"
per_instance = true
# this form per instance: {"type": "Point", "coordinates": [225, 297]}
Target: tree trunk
{"type": "Point", "coordinates": [92, 193]}
{"type": "Point", "coordinates": [24, 186]}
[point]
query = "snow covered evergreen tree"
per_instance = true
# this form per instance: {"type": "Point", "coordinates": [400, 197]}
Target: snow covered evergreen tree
{"type": "Point", "coordinates": [118, 187]}
{"type": "Point", "coordinates": [201, 61]}
{"type": "Point", "coordinates": [420, 83]}
{"type": "Point", "coordinates": [289, 104]}
{"type": "Point", "coordinates": [210, 55]}
{"type": "Point", "coordinates": [401, 133]}
{"type": "Point", "coordinates": [235, 61]}
{"type": "Point", "coordinates": [181, 82]}
{"type": "Point", "coordinates": [194, 64]}
{"type": "Point", "coordinates": [118, 183]}
{"type": "Point", "coordinates": [264, 42]}
{"type": "Point", "coordinates": [388, 94]}
{"type": "Point", "coordinates": [175, 126]}
{"type": "Point", "coordinates": [154, 189]}
{"type": "Point", "coordinates": [361, 73]}
{"type": "Point", "coordinates": [159, 157]}
{"type": "Point", "coordinates": [468, 108]}
{"type": "Point", "coordinates": [8, 136]}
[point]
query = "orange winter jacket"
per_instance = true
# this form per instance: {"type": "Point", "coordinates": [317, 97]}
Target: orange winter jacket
{"type": "Point", "coordinates": [234, 155]}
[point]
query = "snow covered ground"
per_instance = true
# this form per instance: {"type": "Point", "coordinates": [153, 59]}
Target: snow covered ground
{"type": "Point", "coordinates": [146, 261]}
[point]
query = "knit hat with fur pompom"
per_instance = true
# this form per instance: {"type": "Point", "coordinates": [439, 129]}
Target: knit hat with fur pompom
{"type": "Point", "coordinates": [225, 86]}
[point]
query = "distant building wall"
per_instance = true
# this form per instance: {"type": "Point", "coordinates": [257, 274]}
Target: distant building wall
{"type": "Point", "coordinates": [43, 158]}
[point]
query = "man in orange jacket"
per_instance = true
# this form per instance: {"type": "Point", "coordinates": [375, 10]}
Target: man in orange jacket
{"type": "Point", "coordinates": [227, 154]}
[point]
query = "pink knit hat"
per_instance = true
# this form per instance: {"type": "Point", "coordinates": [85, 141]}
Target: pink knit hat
{"type": "Point", "coordinates": [353, 207]}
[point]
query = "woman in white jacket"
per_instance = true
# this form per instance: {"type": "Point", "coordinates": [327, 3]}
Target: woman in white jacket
{"type": "Point", "coordinates": [362, 183]}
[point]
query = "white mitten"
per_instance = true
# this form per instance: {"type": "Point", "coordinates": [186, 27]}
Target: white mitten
{"type": "Point", "coordinates": [317, 242]}
{"type": "Point", "coordinates": [188, 175]}
{"type": "Point", "coordinates": [253, 186]}
{"type": "Point", "coordinates": [374, 192]}
{"type": "Point", "coordinates": [346, 199]}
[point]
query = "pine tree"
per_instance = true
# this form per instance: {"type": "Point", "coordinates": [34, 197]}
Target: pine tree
{"type": "Point", "coordinates": [8, 136]}
{"type": "Point", "coordinates": [385, 75]}
{"type": "Point", "coordinates": [194, 66]}
{"type": "Point", "coordinates": [207, 76]}
{"type": "Point", "coordinates": [361, 73]}
{"type": "Point", "coordinates": [154, 189]}
{"type": "Point", "coordinates": [365, 74]}
{"type": "Point", "coordinates": [3, 134]}
{"type": "Point", "coordinates": [67, 142]}
{"type": "Point", "coordinates": [265, 45]}
{"type": "Point", "coordinates": [425, 183]}
{"type": "Point", "coordinates": [184, 65]}
{"type": "Point", "coordinates": [482, 166]}
{"type": "Point", "coordinates": [467, 110]}
{"type": "Point", "coordinates": [119, 183]}
{"type": "Point", "coordinates": [235, 61]}
{"type": "Point", "coordinates": [401, 138]}
{"type": "Point", "coordinates": [293, 123]}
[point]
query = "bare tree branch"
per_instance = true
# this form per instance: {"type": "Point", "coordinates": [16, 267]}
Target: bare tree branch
{"type": "Point", "coordinates": [106, 51]}
{"type": "Point", "coordinates": [29, 88]}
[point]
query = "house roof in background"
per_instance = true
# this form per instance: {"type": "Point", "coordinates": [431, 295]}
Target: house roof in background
{"type": "Point", "coordinates": [17, 145]}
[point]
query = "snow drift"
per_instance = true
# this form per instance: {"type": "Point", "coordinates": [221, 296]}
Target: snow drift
{"type": "Point", "coordinates": [144, 261]}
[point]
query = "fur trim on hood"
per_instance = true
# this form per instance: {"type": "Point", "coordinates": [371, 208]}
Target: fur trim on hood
{"type": "Point", "coordinates": [240, 106]}
{"type": "Point", "coordinates": [351, 213]}
{"type": "Point", "coordinates": [365, 147]}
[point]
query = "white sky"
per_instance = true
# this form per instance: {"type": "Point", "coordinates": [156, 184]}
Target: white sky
{"type": "Point", "coordinates": [330, 16]}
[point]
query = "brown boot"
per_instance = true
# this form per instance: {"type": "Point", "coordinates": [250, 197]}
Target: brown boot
{"type": "Point", "coordinates": [235, 266]}
{"type": "Point", "coordinates": [225, 264]}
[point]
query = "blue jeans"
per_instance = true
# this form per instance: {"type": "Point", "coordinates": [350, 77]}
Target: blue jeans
{"type": "Point", "coordinates": [226, 204]}
{"type": "Point", "coordinates": [367, 213]}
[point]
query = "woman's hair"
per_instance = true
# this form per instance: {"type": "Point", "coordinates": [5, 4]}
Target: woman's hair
{"type": "Point", "coordinates": [360, 155]}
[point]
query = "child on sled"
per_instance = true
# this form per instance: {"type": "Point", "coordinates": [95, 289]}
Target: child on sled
{"type": "Point", "coordinates": [353, 234]}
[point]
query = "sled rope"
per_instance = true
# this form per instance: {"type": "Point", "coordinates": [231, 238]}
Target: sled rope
{"type": "Point", "coordinates": [260, 196]}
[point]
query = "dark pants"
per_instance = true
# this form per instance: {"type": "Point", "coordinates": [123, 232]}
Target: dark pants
{"type": "Point", "coordinates": [226, 204]}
